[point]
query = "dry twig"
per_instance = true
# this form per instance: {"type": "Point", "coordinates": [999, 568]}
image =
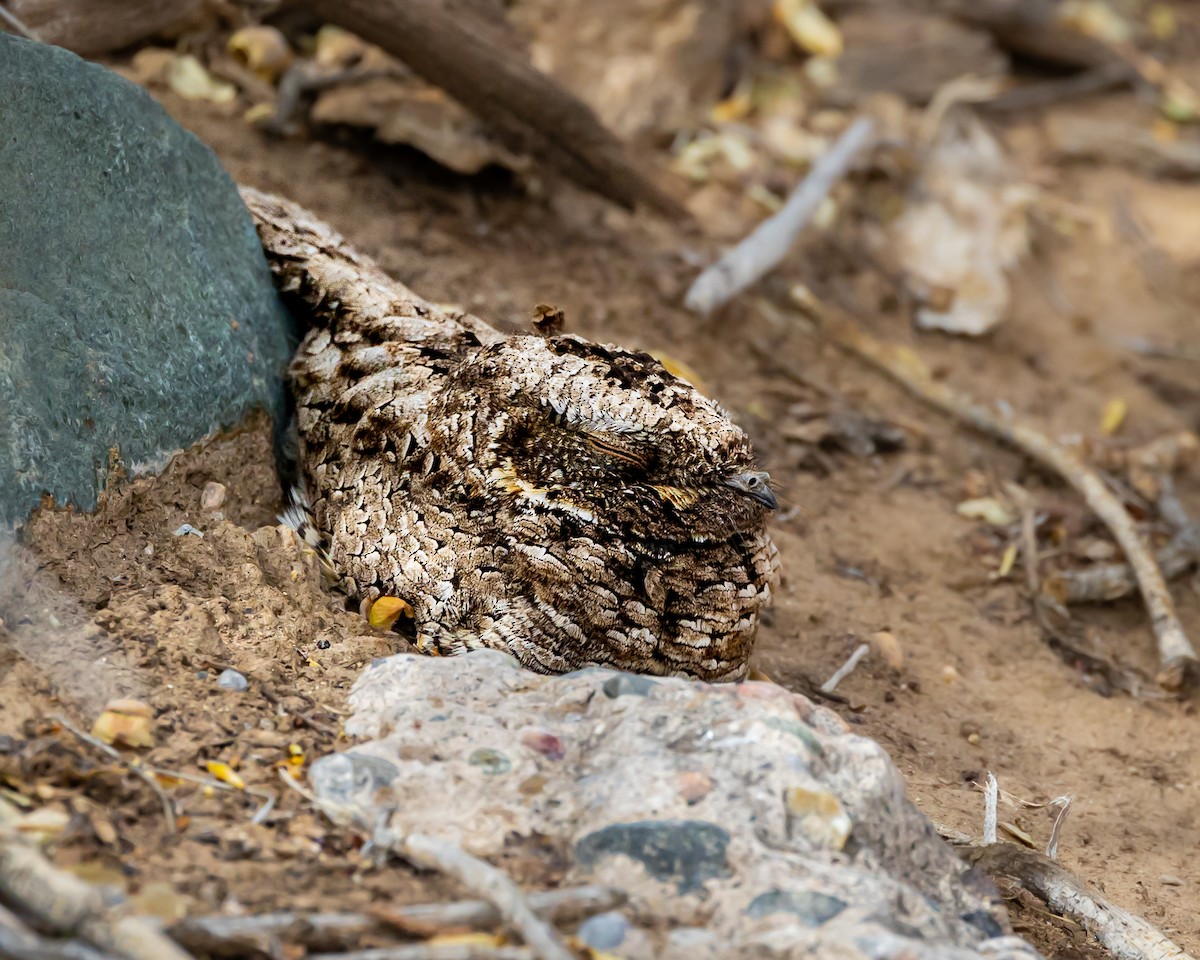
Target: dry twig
{"type": "Point", "coordinates": [435, 951]}
{"type": "Point", "coordinates": [489, 882]}
{"type": "Point", "coordinates": [223, 936]}
{"type": "Point", "coordinates": [1124, 935]}
{"type": "Point", "coordinates": [11, 20]}
{"type": "Point", "coordinates": [68, 906]}
{"type": "Point", "coordinates": [1176, 654]}
{"type": "Point", "coordinates": [847, 668]}
{"type": "Point", "coordinates": [474, 59]}
{"type": "Point", "coordinates": [769, 243]}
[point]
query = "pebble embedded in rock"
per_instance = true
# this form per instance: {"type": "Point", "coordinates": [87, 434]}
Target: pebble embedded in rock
{"type": "Point", "coordinates": [232, 680]}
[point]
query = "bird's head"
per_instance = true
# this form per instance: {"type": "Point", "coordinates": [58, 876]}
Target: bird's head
{"type": "Point", "coordinates": [612, 438]}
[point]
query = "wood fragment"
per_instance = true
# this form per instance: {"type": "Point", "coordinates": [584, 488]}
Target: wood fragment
{"type": "Point", "coordinates": [228, 936]}
{"type": "Point", "coordinates": [769, 243]}
{"type": "Point", "coordinates": [1033, 29]}
{"type": "Point", "coordinates": [466, 55]}
{"type": "Point", "coordinates": [1048, 93]}
{"type": "Point", "coordinates": [1074, 137]}
{"type": "Point", "coordinates": [432, 951]}
{"type": "Point", "coordinates": [93, 27]}
{"type": "Point", "coordinates": [62, 903]}
{"type": "Point", "coordinates": [1106, 582]}
{"type": "Point", "coordinates": [1125, 936]}
{"type": "Point", "coordinates": [1177, 657]}
{"type": "Point", "coordinates": [489, 882]}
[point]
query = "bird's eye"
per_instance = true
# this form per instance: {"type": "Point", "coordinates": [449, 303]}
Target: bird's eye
{"type": "Point", "coordinates": [609, 448]}
{"type": "Point", "coordinates": [752, 483]}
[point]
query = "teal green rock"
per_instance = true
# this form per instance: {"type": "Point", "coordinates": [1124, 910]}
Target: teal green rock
{"type": "Point", "coordinates": [136, 306]}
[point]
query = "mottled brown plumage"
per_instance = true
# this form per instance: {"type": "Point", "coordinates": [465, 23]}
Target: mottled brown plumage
{"type": "Point", "coordinates": [569, 502]}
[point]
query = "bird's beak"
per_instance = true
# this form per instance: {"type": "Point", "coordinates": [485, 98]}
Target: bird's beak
{"type": "Point", "coordinates": [756, 484]}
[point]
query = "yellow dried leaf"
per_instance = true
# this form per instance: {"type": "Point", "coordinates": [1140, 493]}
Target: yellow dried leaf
{"type": "Point", "coordinates": [188, 78]}
{"type": "Point", "coordinates": [263, 49]}
{"type": "Point", "coordinates": [1007, 561]}
{"type": "Point", "coordinates": [256, 114]}
{"type": "Point", "coordinates": [1162, 21]}
{"type": "Point", "coordinates": [1113, 416]}
{"type": "Point", "coordinates": [988, 509]}
{"type": "Point", "coordinates": [735, 107]}
{"type": "Point", "coordinates": [385, 611]}
{"type": "Point", "coordinates": [125, 723]}
{"type": "Point", "coordinates": [225, 773]}
{"type": "Point", "coordinates": [467, 940]}
{"type": "Point", "coordinates": [809, 28]}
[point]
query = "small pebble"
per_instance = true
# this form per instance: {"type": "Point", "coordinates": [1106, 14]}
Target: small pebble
{"type": "Point", "coordinates": [187, 528]}
{"type": "Point", "coordinates": [492, 762]}
{"type": "Point", "coordinates": [212, 496]}
{"type": "Point", "coordinates": [232, 680]}
{"type": "Point", "coordinates": [1167, 880]}
{"type": "Point", "coordinates": [604, 931]}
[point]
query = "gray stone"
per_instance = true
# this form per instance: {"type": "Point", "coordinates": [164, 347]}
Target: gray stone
{"type": "Point", "coordinates": [604, 931]}
{"type": "Point", "coordinates": [742, 804]}
{"type": "Point", "coordinates": [136, 307]}
{"type": "Point", "coordinates": [232, 680]}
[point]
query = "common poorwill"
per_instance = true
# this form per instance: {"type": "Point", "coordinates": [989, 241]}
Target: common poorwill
{"type": "Point", "coordinates": [569, 502]}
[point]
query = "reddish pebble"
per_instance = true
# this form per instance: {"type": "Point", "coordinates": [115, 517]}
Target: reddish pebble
{"type": "Point", "coordinates": [544, 742]}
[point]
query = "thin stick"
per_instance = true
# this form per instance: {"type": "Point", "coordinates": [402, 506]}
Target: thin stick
{"type": "Point", "coordinates": [327, 931]}
{"type": "Point", "coordinates": [991, 797]}
{"type": "Point", "coordinates": [11, 19]}
{"type": "Point", "coordinates": [133, 766]}
{"type": "Point", "coordinates": [1112, 581]}
{"type": "Point", "coordinates": [847, 668]}
{"type": "Point", "coordinates": [762, 250]}
{"type": "Point", "coordinates": [1124, 935]}
{"type": "Point", "coordinates": [490, 883]}
{"type": "Point", "coordinates": [66, 905]}
{"type": "Point", "coordinates": [1176, 654]}
{"type": "Point", "coordinates": [1064, 804]}
{"type": "Point", "coordinates": [432, 951]}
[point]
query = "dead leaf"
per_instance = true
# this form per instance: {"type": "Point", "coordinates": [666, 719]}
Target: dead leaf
{"type": "Point", "coordinates": [125, 723]}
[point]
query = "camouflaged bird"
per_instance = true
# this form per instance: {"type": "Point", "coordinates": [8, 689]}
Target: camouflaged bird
{"type": "Point", "coordinates": [570, 503]}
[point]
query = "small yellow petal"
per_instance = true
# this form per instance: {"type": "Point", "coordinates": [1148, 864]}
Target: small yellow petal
{"type": "Point", "coordinates": [225, 773]}
{"type": "Point", "coordinates": [385, 611]}
{"type": "Point", "coordinates": [1114, 416]}
{"type": "Point", "coordinates": [1007, 561]}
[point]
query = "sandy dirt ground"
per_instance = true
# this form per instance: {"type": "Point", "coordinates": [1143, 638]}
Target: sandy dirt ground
{"type": "Point", "coordinates": [874, 544]}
